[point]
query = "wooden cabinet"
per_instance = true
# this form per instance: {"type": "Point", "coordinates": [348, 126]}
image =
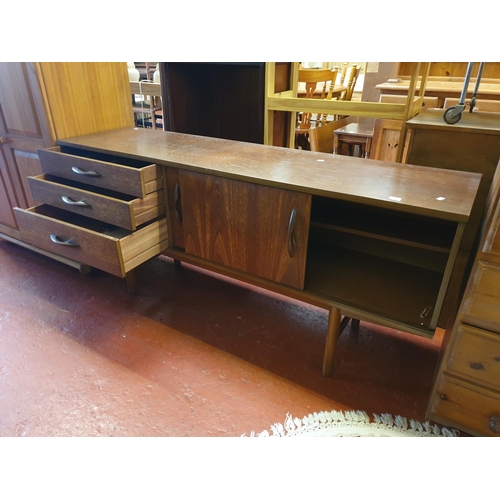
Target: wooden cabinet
{"type": "Point", "coordinates": [24, 128]}
{"type": "Point", "coordinates": [43, 102]}
{"type": "Point", "coordinates": [472, 145]}
{"type": "Point", "coordinates": [466, 393]}
{"type": "Point", "coordinates": [223, 100]}
{"type": "Point", "coordinates": [370, 240]}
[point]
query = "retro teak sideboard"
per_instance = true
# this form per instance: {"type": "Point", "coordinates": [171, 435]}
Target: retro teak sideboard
{"type": "Point", "coordinates": [366, 239]}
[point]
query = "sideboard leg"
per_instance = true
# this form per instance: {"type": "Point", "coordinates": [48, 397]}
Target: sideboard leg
{"type": "Point", "coordinates": [130, 277]}
{"type": "Point", "coordinates": [177, 263]}
{"type": "Point", "coordinates": [331, 339]}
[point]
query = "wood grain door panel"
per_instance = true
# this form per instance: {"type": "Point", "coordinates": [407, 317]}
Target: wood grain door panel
{"type": "Point", "coordinates": [246, 226]}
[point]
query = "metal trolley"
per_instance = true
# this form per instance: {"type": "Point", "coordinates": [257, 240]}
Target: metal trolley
{"type": "Point", "coordinates": [452, 115]}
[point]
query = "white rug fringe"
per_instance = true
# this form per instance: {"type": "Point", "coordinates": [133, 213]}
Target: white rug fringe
{"type": "Point", "coordinates": [353, 424]}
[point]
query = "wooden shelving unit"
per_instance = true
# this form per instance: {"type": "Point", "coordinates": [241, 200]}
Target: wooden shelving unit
{"type": "Point", "coordinates": [287, 101]}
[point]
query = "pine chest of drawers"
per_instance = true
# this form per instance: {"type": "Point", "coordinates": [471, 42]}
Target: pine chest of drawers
{"type": "Point", "coordinates": [466, 394]}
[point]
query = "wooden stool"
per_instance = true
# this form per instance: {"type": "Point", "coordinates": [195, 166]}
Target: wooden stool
{"type": "Point", "coordinates": [354, 134]}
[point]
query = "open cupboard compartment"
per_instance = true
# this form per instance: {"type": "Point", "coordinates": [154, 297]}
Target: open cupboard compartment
{"type": "Point", "coordinates": [383, 262]}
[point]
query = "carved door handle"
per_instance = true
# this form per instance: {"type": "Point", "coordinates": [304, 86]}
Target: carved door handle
{"type": "Point", "coordinates": [292, 245]}
{"type": "Point", "coordinates": [177, 203]}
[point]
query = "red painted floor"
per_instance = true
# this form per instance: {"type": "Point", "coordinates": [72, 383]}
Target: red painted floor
{"type": "Point", "coordinates": [191, 354]}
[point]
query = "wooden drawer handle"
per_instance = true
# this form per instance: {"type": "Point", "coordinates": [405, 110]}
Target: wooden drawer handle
{"type": "Point", "coordinates": [177, 203]}
{"type": "Point", "coordinates": [494, 425]}
{"type": "Point", "coordinates": [88, 173]}
{"type": "Point", "coordinates": [70, 201]}
{"type": "Point", "coordinates": [291, 233]}
{"type": "Point", "coordinates": [69, 242]}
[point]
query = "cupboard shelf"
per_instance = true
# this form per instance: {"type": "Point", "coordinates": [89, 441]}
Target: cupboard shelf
{"type": "Point", "coordinates": [394, 290]}
{"type": "Point", "coordinates": [383, 224]}
{"type": "Point", "coordinates": [381, 237]}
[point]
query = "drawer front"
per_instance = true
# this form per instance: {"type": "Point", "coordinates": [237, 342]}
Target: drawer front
{"type": "Point", "coordinates": [130, 180]}
{"type": "Point", "coordinates": [481, 307]}
{"type": "Point", "coordinates": [466, 406]}
{"type": "Point", "coordinates": [110, 249]}
{"type": "Point", "coordinates": [475, 354]}
{"type": "Point", "coordinates": [120, 212]}
{"type": "Point", "coordinates": [492, 240]}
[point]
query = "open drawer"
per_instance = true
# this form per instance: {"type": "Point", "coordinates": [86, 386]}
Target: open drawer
{"type": "Point", "coordinates": [106, 247]}
{"type": "Point", "coordinates": [124, 175]}
{"type": "Point", "coordinates": [119, 209]}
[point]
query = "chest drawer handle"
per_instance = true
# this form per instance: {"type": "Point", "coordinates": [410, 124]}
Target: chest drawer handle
{"type": "Point", "coordinates": [88, 173]}
{"type": "Point", "coordinates": [70, 201]}
{"type": "Point", "coordinates": [69, 242]}
{"type": "Point", "coordinates": [494, 425]}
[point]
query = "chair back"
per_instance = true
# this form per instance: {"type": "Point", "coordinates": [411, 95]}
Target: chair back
{"type": "Point", "coordinates": [311, 78]}
{"type": "Point", "coordinates": [325, 78]}
{"type": "Point", "coordinates": [349, 81]}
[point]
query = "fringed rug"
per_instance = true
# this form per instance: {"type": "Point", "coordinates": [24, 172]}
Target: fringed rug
{"type": "Point", "coordinates": [353, 424]}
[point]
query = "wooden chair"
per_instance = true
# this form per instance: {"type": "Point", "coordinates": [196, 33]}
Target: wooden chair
{"type": "Point", "coordinates": [319, 84]}
{"type": "Point", "coordinates": [321, 138]}
{"type": "Point", "coordinates": [311, 78]}
{"type": "Point", "coordinates": [349, 80]}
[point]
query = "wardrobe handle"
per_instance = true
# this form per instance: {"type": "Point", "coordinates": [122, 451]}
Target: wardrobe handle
{"type": "Point", "coordinates": [494, 425]}
{"type": "Point", "coordinates": [70, 201]}
{"type": "Point", "coordinates": [177, 203]}
{"type": "Point", "coordinates": [69, 242]}
{"type": "Point", "coordinates": [88, 173]}
{"type": "Point", "coordinates": [291, 233]}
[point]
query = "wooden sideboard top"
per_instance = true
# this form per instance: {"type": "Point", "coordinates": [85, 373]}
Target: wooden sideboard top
{"type": "Point", "coordinates": [439, 193]}
{"type": "Point", "coordinates": [472, 123]}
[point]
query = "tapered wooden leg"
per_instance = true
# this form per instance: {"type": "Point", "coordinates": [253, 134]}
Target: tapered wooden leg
{"type": "Point", "coordinates": [331, 339]}
{"type": "Point", "coordinates": [130, 277]}
{"type": "Point", "coordinates": [355, 325]}
{"type": "Point", "coordinates": [177, 263]}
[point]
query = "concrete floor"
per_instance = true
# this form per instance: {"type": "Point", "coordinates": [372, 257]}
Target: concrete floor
{"type": "Point", "coordinates": [191, 354]}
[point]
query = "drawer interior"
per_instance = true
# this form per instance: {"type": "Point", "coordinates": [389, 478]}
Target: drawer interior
{"type": "Point", "coordinates": [110, 158]}
{"type": "Point", "coordinates": [86, 187]}
{"type": "Point", "coordinates": [80, 221]}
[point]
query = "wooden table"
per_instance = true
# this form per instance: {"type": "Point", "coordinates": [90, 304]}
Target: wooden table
{"type": "Point", "coordinates": [354, 134]}
{"type": "Point", "coordinates": [443, 89]}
